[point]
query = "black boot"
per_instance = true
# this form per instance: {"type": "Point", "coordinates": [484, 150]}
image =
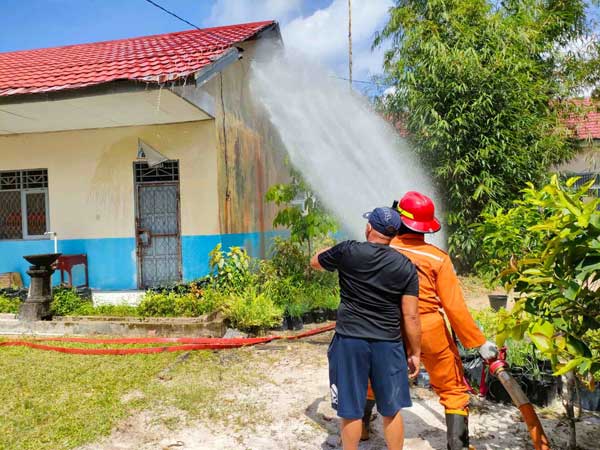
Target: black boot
{"type": "Point", "coordinates": [458, 431]}
{"type": "Point", "coordinates": [366, 420]}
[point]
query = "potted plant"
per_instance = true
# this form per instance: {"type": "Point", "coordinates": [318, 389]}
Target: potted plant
{"type": "Point", "coordinates": [294, 311]}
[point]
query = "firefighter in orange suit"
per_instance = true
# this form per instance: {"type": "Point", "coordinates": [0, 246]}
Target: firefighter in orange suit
{"type": "Point", "coordinates": [439, 295]}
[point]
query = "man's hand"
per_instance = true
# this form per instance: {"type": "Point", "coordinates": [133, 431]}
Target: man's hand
{"type": "Point", "coordinates": [488, 350]}
{"type": "Point", "coordinates": [414, 363]}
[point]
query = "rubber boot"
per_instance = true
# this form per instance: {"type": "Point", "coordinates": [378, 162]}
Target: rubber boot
{"type": "Point", "coordinates": [458, 431]}
{"type": "Point", "coordinates": [366, 420]}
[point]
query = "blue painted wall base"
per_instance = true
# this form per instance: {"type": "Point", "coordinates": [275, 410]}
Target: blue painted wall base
{"type": "Point", "coordinates": [112, 262]}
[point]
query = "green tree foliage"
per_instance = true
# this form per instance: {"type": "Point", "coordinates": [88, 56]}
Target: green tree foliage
{"type": "Point", "coordinates": [550, 255]}
{"type": "Point", "coordinates": [478, 84]}
{"type": "Point", "coordinates": [306, 219]}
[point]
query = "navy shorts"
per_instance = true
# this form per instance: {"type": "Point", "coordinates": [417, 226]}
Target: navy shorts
{"type": "Point", "coordinates": [353, 361]}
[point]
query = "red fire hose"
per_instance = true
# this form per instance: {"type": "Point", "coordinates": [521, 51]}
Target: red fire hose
{"type": "Point", "coordinates": [185, 344]}
{"type": "Point", "coordinates": [498, 368]}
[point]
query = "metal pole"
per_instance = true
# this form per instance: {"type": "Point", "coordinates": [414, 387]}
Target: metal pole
{"type": "Point", "coordinates": [350, 42]}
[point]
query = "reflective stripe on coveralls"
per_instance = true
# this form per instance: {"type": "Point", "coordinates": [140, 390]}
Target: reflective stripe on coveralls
{"type": "Point", "coordinates": [439, 288]}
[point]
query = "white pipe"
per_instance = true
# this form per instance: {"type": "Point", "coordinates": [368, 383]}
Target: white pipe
{"type": "Point", "coordinates": [53, 234]}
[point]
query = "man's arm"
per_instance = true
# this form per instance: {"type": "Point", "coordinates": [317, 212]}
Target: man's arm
{"type": "Point", "coordinates": [329, 258]}
{"type": "Point", "coordinates": [314, 261]}
{"type": "Point", "coordinates": [412, 332]}
{"type": "Point", "coordinates": [455, 307]}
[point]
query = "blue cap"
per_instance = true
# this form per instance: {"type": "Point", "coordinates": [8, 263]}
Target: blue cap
{"type": "Point", "coordinates": [385, 220]}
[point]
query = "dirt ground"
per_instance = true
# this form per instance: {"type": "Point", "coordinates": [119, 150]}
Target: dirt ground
{"type": "Point", "coordinates": [292, 411]}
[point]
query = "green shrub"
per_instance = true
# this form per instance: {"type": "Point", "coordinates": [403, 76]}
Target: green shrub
{"type": "Point", "coordinates": [252, 311]}
{"type": "Point", "coordinates": [66, 302]}
{"type": "Point", "coordinates": [9, 305]}
{"type": "Point", "coordinates": [552, 260]}
{"type": "Point", "coordinates": [521, 353]}
{"type": "Point", "coordinates": [326, 298]}
{"type": "Point", "coordinates": [170, 304]}
{"type": "Point", "coordinates": [109, 310]}
{"type": "Point", "coordinates": [292, 285]}
{"type": "Point", "coordinates": [289, 259]}
{"type": "Point", "coordinates": [230, 271]}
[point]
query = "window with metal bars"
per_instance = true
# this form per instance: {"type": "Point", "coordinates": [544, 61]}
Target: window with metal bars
{"type": "Point", "coordinates": [23, 204]}
{"type": "Point", "coordinates": [165, 172]}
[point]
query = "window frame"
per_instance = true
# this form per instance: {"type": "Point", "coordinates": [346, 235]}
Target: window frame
{"type": "Point", "coordinates": [23, 192]}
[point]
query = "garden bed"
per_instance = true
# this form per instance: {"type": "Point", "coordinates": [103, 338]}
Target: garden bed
{"type": "Point", "coordinates": [206, 326]}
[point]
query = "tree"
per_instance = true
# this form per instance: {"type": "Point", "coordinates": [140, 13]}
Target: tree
{"type": "Point", "coordinates": [478, 85]}
{"type": "Point", "coordinates": [302, 211]}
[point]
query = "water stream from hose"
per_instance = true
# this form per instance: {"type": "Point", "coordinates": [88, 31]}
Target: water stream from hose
{"type": "Point", "coordinates": [351, 156]}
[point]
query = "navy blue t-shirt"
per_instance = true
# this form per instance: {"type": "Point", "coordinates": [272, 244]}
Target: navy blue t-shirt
{"type": "Point", "coordinates": [373, 278]}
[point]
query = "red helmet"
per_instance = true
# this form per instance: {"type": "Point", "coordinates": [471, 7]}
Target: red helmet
{"type": "Point", "coordinates": [418, 213]}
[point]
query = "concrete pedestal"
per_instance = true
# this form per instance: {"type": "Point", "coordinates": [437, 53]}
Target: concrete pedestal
{"type": "Point", "coordinates": [37, 304]}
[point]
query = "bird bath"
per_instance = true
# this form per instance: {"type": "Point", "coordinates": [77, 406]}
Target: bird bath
{"type": "Point", "coordinates": [37, 304]}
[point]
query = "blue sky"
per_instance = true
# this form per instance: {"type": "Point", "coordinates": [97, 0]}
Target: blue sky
{"type": "Point", "coordinates": [317, 27]}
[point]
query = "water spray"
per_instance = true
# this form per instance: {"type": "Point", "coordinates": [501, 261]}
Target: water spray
{"type": "Point", "coordinates": [349, 154]}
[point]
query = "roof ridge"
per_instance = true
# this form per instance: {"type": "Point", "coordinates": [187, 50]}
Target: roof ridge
{"type": "Point", "coordinates": [194, 30]}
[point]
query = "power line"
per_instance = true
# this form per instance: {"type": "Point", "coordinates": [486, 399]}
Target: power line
{"type": "Point", "coordinates": [153, 3]}
{"type": "Point", "coordinates": [362, 81]}
{"type": "Point", "coordinates": [173, 14]}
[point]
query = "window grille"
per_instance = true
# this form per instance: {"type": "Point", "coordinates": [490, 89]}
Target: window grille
{"type": "Point", "coordinates": [166, 172]}
{"type": "Point", "coordinates": [23, 203]}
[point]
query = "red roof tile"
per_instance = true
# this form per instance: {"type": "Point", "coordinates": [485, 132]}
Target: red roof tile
{"type": "Point", "coordinates": [585, 121]}
{"type": "Point", "coordinates": [148, 58]}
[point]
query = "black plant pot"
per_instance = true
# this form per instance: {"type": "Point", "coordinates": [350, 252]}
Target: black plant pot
{"type": "Point", "coordinates": [498, 301]}
{"type": "Point", "coordinates": [590, 400]}
{"type": "Point", "coordinates": [283, 326]}
{"type": "Point", "coordinates": [331, 314]}
{"type": "Point", "coordinates": [473, 365]}
{"type": "Point", "coordinates": [319, 315]}
{"type": "Point", "coordinates": [496, 391]}
{"type": "Point", "coordinates": [295, 323]}
{"type": "Point", "coordinates": [308, 317]}
{"type": "Point", "coordinates": [541, 392]}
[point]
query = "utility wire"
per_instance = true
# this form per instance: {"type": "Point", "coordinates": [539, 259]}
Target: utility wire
{"type": "Point", "coordinates": [173, 14]}
{"type": "Point", "coordinates": [361, 81]}
{"type": "Point", "coordinates": [153, 3]}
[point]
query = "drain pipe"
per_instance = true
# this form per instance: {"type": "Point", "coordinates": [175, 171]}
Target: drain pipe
{"type": "Point", "coordinates": [498, 368]}
{"type": "Point", "coordinates": [52, 234]}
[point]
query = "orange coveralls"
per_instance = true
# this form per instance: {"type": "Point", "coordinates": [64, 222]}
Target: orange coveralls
{"type": "Point", "coordinates": [439, 289]}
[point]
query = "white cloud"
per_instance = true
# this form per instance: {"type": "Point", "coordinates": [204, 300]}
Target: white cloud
{"type": "Point", "coordinates": [226, 12]}
{"type": "Point", "coordinates": [322, 35]}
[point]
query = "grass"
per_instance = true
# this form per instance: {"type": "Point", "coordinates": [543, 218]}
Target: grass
{"type": "Point", "coordinates": [56, 401]}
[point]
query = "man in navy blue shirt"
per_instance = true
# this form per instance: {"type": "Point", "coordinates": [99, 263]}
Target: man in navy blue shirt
{"type": "Point", "coordinates": [378, 308]}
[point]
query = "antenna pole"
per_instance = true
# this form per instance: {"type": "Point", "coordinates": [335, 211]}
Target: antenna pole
{"type": "Point", "coordinates": [350, 42]}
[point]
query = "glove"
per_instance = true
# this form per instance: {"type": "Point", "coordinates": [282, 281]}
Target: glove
{"type": "Point", "coordinates": [488, 350]}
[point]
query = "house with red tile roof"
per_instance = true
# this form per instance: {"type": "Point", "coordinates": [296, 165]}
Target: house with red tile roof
{"type": "Point", "coordinates": [584, 124]}
{"type": "Point", "coordinates": [142, 154]}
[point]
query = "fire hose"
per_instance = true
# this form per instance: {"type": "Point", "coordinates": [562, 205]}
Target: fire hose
{"type": "Point", "coordinates": [499, 368]}
{"type": "Point", "coordinates": [183, 344]}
